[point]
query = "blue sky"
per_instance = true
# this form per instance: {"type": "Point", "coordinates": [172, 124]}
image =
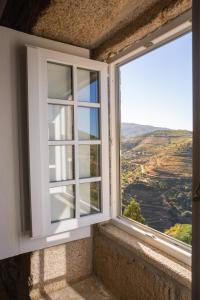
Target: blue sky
{"type": "Point", "coordinates": [156, 89]}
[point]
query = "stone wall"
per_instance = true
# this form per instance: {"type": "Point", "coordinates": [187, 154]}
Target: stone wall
{"type": "Point", "coordinates": [127, 267]}
{"type": "Point", "coordinates": [15, 275]}
{"type": "Point", "coordinates": [151, 20]}
{"type": "Point", "coordinates": [130, 272]}
{"type": "Point", "coordinates": [31, 275]}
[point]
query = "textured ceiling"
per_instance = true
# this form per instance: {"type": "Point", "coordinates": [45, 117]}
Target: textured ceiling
{"type": "Point", "coordinates": [107, 27]}
{"type": "Point", "coordinates": [152, 19]}
{"type": "Point", "coordinates": [88, 23]}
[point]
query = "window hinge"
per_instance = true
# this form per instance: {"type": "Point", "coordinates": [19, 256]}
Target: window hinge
{"type": "Point", "coordinates": [196, 196]}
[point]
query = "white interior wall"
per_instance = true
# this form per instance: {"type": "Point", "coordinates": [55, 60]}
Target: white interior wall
{"type": "Point", "coordinates": [14, 197]}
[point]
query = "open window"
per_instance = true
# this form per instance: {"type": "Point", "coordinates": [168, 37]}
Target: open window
{"type": "Point", "coordinates": [68, 141]}
{"type": "Point", "coordinates": [151, 130]}
{"type": "Point", "coordinates": [156, 138]}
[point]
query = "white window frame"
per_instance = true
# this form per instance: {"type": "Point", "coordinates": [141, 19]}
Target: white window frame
{"type": "Point", "coordinates": [171, 246]}
{"type": "Point", "coordinates": [38, 100]}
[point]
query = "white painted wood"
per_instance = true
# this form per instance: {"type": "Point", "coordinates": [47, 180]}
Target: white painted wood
{"type": "Point", "coordinates": [28, 244]}
{"type": "Point", "coordinates": [174, 248]}
{"type": "Point", "coordinates": [105, 165]}
{"type": "Point", "coordinates": [59, 101]}
{"type": "Point", "coordinates": [77, 203]}
{"type": "Point", "coordinates": [179, 26]}
{"type": "Point", "coordinates": [59, 143]}
{"type": "Point", "coordinates": [169, 32]}
{"type": "Point", "coordinates": [90, 179]}
{"type": "Point", "coordinates": [114, 142]}
{"type": "Point", "coordinates": [35, 155]}
{"type": "Point", "coordinates": [88, 104]}
{"type": "Point", "coordinates": [14, 228]}
{"type": "Point", "coordinates": [44, 56]}
{"type": "Point", "coordinates": [12, 89]}
{"type": "Point", "coordinates": [96, 142]}
{"type": "Point", "coordinates": [61, 183]}
{"type": "Point", "coordinates": [181, 251]}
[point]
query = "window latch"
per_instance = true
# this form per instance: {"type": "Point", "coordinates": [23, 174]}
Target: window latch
{"type": "Point", "coordinates": [196, 196]}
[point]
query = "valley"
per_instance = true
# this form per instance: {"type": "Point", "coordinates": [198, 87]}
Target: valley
{"type": "Point", "coordinates": [156, 169]}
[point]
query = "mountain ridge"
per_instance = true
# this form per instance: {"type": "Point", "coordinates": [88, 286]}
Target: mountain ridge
{"type": "Point", "coordinates": [133, 129]}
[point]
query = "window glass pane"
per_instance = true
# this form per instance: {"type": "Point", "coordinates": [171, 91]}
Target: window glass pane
{"type": "Point", "coordinates": [59, 81]}
{"type": "Point", "coordinates": [62, 203]}
{"type": "Point", "coordinates": [88, 123]}
{"type": "Point", "coordinates": [60, 120]}
{"type": "Point", "coordinates": [61, 166]}
{"type": "Point", "coordinates": [88, 86]}
{"type": "Point", "coordinates": [156, 138]}
{"type": "Point", "coordinates": [90, 198]}
{"type": "Point", "coordinates": [89, 161]}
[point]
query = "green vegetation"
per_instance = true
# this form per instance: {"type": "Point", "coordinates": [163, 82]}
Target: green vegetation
{"type": "Point", "coordinates": [133, 211]}
{"type": "Point", "coordinates": [182, 232]}
{"type": "Point", "coordinates": [156, 169]}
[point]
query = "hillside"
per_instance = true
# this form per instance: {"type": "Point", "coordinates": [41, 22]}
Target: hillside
{"type": "Point", "coordinates": [156, 170]}
{"type": "Point", "coordinates": [132, 129]}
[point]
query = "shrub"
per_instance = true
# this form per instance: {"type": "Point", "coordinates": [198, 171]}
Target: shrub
{"type": "Point", "coordinates": [133, 211]}
{"type": "Point", "coordinates": [182, 232]}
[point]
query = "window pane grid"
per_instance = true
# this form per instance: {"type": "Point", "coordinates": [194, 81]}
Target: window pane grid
{"type": "Point", "coordinates": [93, 112]}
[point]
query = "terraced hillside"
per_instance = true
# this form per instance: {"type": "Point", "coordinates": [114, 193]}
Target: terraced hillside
{"type": "Point", "coordinates": [156, 170]}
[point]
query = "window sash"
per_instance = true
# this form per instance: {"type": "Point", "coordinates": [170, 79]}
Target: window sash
{"type": "Point", "coordinates": [38, 101]}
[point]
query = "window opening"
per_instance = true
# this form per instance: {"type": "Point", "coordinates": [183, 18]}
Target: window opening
{"type": "Point", "coordinates": [156, 138]}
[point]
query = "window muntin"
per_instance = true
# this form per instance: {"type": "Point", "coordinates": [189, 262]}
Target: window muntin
{"type": "Point", "coordinates": [66, 133]}
{"type": "Point", "coordinates": [54, 123]}
{"type": "Point", "coordinates": [129, 160]}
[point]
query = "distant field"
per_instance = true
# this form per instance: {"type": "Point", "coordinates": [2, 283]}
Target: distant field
{"type": "Point", "coordinates": [156, 169]}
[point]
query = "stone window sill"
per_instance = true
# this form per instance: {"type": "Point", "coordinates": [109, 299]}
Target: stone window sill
{"type": "Point", "coordinates": [175, 269]}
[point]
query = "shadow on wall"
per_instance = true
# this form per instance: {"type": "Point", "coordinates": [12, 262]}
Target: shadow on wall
{"type": "Point", "coordinates": [34, 275]}
{"type": "Point", "coordinates": [15, 280]}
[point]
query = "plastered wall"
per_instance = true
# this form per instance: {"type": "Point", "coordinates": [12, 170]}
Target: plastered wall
{"type": "Point", "coordinates": [14, 174]}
